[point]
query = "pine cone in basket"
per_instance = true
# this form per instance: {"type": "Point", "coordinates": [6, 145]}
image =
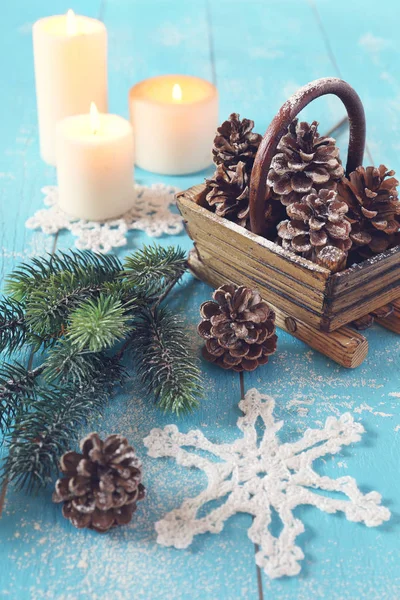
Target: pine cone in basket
{"type": "Point", "coordinates": [239, 329]}
{"type": "Point", "coordinates": [316, 222]}
{"type": "Point", "coordinates": [228, 192]}
{"type": "Point", "coordinates": [236, 142]}
{"type": "Point", "coordinates": [304, 161]}
{"type": "Point", "coordinates": [101, 486]}
{"type": "Point", "coordinates": [374, 208]}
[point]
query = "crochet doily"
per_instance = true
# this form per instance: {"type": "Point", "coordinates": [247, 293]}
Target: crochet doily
{"type": "Point", "coordinates": [151, 213]}
{"type": "Point", "coordinates": [256, 478]}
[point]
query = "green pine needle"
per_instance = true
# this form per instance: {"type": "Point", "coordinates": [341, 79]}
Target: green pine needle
{"type": "Point", "coordinates": [98, 324]}
{"type": "Point", "coordinates": [48, 431]}
{"type": "Point", "coordinates": [42, 271]}
{"type": "Point", "coordinates": [17, 391]}
{"type": "Point", "coordinates": [65, 364]}
{"type": "Point", "coordinates": [153, 268]}
{"type": "Point", "coordinates": [74, 310]}
{"type": "Point", "coordinates": [165, 361]}
{"type": "Point", "coordinates": [13, 332]}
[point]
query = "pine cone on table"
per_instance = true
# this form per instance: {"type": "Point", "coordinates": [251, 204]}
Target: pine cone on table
{"type": "Point", "coordinates": [304, 161]}
{"type": "Point", "coordinates": [239, 329]}
{"type": "Point", "coordinates": [236, 142]}
{"type": "Point", "coordinates": [374, 208]}
{"type": "Point", "coordinates": [318, 221]}
{"type": "Point", "coordinates": [101, 486]}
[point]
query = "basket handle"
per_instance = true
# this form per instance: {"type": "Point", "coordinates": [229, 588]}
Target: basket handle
{"type": "Point", "coordinates": [279, 126]}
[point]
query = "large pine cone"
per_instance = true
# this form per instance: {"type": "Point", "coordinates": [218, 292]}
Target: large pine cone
{"type": "Point", "coordinates": [239, 329]}
{"type": "Point", "coordinates": [374, 207]}
{"type": "Point", "coordinates": [228, 191]}
{"type": "Point", "coordinates": [101, 486]}
{"type": "Point", "coordinates": [316, 222]}
{"type": "Point", "coordinates": [305, 161]}
{"type": "Point", "coordinates": [236, 142]}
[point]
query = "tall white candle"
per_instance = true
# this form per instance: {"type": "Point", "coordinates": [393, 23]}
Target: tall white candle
{"type": "Point", "coordinates": [70, 55]}
{"type": "Point", "coordinates": [174, 118]}
{"type": "Point", "coordinates": [95, 157]}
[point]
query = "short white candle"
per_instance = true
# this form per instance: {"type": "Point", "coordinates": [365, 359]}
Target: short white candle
{"type": "Point", "coordinates": [174, 118]}
{"type": "Point", "coordinates": [70, 55]}
{"type": "Point", "coordinates": [95, 157]}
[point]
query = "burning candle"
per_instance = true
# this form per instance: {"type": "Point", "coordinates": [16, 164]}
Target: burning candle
{"type": "Point", "coordinates": [174, 118]}
{"type": "Point", "coordinates": [95, 165]}
{"type": "Point", "coordinates": [70, 55]}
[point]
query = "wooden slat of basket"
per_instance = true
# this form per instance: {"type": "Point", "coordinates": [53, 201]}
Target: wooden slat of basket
{"type": "Point", "coordinates": [344, 346]}
{"type": "Point", "coordinates": [286, 286]}
{"type": "Point", "coordinates": [240, 275]}
{"type": "Point", "coordinates": [366, 271]}
{"type": "Point", "coordinates": [344, 299]}
{"type": "Point", "coordinates": [392, 322]}
{"type": "Point", "coordinates": [245, 242]}
{"type": "Point", "coordinates": [364, 306]}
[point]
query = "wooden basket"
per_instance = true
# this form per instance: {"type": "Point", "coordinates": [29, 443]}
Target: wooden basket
{"type": "Point", "coordinates": [310, 301]}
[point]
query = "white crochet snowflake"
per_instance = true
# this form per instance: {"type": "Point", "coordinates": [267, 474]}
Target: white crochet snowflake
{"type": "Point", "coordinates": [150, 213]}
{"type": "Point", "coordinates": [258, 477]}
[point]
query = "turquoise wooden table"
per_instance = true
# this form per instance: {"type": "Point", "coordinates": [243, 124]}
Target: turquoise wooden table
{"type": "Point", "coordinates": [258, 52]}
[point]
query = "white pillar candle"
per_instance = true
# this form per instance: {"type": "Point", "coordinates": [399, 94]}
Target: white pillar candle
{"type": "Point", "coordinates": [95, 165]}
{"type": "Point", "coordinates": [174, 118]}
{"type": "Point", "coordinates": [70, 55]}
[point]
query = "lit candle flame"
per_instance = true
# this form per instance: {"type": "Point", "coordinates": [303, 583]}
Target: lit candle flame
{"type": "Point", "coordinates": [177, 92]}
{"type": "Point", "coordinates": [71, 23]}
{"type": "Point", "coordinates": [94, 118]}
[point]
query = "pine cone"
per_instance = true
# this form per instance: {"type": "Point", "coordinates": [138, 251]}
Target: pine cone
{"type": "Point", "coordinates": [305, 161]}
{"type": "Point", "coordinates": [374, 208]}
{"type": "Point", "coordinates": [239, 329]}
{"type": "Point", "coordinates": [102, 485]}
{"type": "Point", "coordinates": [228, 191]}
{"type": "Point", "coordinates": [236, 142]}
{"type": "Point", "coordinates": [317, 221]}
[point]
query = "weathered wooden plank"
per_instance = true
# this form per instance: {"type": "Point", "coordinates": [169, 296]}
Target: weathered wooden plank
{"type": "Point", "coordinates": [267, 252]}
{"type": "Point", "coordinates": [286, 286]}
{"type": "Point", "coordinates": [240, 275]}
{"type": "Point", "coordinates": [392, 322]}
{"type": "Point", "coordinates": [344, 346]}
{"type": "Point", "coordinates": [372, 269]}
{"type": "Point", "coordinates": [361, 308]}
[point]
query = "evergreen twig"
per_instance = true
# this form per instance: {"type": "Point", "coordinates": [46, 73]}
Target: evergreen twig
{"type": "Point", "coordinates": [47, 430]}
{"type": "Point", "coordinates": [76, 309]}
{"type": "Point", "coordinates": [13, 333]}
{"type": "Point", "coordinates": [153, 268]}
{"type": "Point", "coordinates": [165, 362]}
{"type": "Point", "coordinates": [17, 390]}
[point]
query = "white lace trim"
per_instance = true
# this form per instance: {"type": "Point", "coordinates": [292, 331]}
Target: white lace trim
{"type": "Point", "coordinates": [258, 477]}
{"type": "Point", "coordinates": [151, 213]}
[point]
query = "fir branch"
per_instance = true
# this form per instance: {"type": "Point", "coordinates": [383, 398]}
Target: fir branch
{"type": "Point", "coordinates": [50, 303]}
{"type": "Point", "coordinates": [165, 362]}
{"type": "Point", "coordinates": [153, 268]}
{"type": "Point", "coordinates": [17, 391]}
{"type": "Point", "coordinates": [13, 332]}
{"type": "Point", "coordinates": [65, 364]}
{"type": "Point", "coordinates": [40, 271]}
{"type": "Point", "coordinates": [45, 433]}
{"type": "Point", "coordinates": [99, 323]}
{"type": "Point", "coordinates": [78, 307]}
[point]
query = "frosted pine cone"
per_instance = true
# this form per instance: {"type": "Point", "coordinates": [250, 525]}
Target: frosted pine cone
{"type": "Point", "coordinates": [101, 486]}
{"type": "Point", "coordinates": [316, 222]}
{"type": "Point", "coordinates": [228, 191]}
{"type": "Point", "coordinates": [239, 329]}
{"type": "Point", "coordinates": [236, 142]}
{"type": "Point", "coordinates": [305, 161]}
{"type": "Point", "coordinates": [374, 207]}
